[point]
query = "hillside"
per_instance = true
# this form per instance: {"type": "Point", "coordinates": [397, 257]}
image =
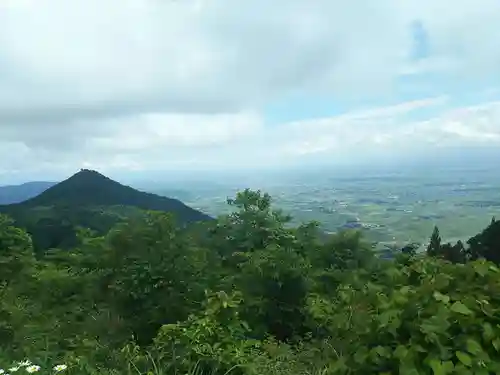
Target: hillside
{"type": "Point", "coordinates": [91, 200]}
{"type": "Point", "coordinates": [254, 294]}
{"type": "Point", "coordinates": [18, 193]}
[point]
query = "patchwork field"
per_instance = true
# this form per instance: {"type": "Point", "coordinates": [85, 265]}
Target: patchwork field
{"type": "Point", "coordinates": [392, 207]}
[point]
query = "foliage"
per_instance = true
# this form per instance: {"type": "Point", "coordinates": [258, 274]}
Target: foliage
{"type": "Point", "coordinates": [427, 316]}
{"type": "Point", "coordinates": [244, 294]}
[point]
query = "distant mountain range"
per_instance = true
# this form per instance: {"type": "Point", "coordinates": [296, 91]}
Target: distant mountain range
{"type": "Point", "coordinates": [86, 199]}
{"type": "Point", "coordinates": [18, 193]}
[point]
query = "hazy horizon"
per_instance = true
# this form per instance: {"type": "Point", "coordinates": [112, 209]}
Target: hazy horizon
{"type": "Point", "coordinates": [453, 158]}
{"type": "Point", "coordinates": [395, 204]}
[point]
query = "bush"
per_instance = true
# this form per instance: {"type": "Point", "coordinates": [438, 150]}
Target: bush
{"type": "Point", "coordinates": [248, 294]}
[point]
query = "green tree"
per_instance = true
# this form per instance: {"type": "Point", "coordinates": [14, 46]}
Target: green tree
{"type": "Point", "coordinates": [248, 294]}
{"type": "Point", "coordinates": [17, 267]}
{"type": "Point", "coordinates": [486, 244]}
{"type": "Point", "coordinates": [156, 274]}
{"type": "Point", "coordinates": [264, 259]}
{"type": "Point", "coordinates": [275, 283]}
{"type": "Point", "coordinates": [253, 225]}
{"type": "Point", "coordinates": [434, 247]}
{"type": "Point", "coordinates": [16, 252]}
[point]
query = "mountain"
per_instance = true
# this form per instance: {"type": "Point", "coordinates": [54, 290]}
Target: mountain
{"type": "Point", "coordinates": [88, 199]}
{"type": "Point", "coordinates": [90, 188]}
{"type": "Point", "coordinates": [18, 193]}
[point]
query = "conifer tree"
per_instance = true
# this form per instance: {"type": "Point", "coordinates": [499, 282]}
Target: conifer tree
{"type": "Point", "coordinates": [434, 247]}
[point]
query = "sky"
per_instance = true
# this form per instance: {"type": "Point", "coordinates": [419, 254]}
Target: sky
{"type": "Point", "coordinates": [146, 86]}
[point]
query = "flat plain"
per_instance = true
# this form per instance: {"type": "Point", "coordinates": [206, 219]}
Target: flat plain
{"type": "Point", "coordinates": [391, 207]}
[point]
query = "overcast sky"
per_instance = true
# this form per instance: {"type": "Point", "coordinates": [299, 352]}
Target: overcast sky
{"type": "Point", "coordinates": [123, 85]}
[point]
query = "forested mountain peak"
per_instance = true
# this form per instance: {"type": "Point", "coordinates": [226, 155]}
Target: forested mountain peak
{"type": "Point", "coordinates": [91, 188]}
{"type": "Point", "coordinates": [91, 200]}
{"type": "Point", "coordinates": [84, 187]}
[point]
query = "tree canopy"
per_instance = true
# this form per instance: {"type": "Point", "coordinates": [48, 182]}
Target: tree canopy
{"type": "Point", "coordinates": [247, 294]}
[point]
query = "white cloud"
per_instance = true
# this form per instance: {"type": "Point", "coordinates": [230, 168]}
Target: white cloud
{"type": "Point", "coordinates": [164, 142]}
{"type": "Point", "coordinates": [144, 83]}
{"type": "Point", "coordinates": [175, 131]}
{"type": "Point", "coordinates": [134, 142]}
{"type": "Point", "coordinates": [184, 56]}
{"type": "Point", "coordinates": [387, 128]}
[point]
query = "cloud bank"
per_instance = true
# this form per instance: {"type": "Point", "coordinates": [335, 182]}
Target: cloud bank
{"type": "Point", "coordinates": [138, 85]}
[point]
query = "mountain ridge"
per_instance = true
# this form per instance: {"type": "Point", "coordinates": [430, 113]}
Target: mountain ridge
{"type": "Point", "coordinates": [16, 193]}
{"type": "Point", "coordinates": [89, 187]}
{"type": "Point", "coordinates": [91, 200]}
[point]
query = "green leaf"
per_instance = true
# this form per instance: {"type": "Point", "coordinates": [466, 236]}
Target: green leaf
{"type": "Point", "coordinates": [441, 368]}
{"type": "Point", "coordinates": [448, 366]}
{"type": "Point", "coordinates": [496, 344]}
{"type": "Point", "coordinates": [493, 268]}
{"type": "Point", "coordinates": [464, 358]}
{"type": "Point", "coordinates": [460, 308]}
{"type": "Point", "coordinates": [488, 333]}
{"type": "Point", "coordinates": [380, 351]}
{"type": "Point", "coordinates": [339, 366]}
{"type": "Point", "coordinates": [460, 369]}
{"type": "Point", "coordinates": [473, 347]}
{"type": "Point", "coordinates": [401, 352]}
{"type": "Point", "coordinates": [436, 366]}
{"type": "Point", "coordinates": [360, 357]}
{"type": "Point", "coordinates": [408, 369]}
{"type": "Point", "coordinates": [405, 289]}
{"type": "Point", "coordinates": [481, 268]}
{"type": "Point", "coordinates": [441, 297]}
